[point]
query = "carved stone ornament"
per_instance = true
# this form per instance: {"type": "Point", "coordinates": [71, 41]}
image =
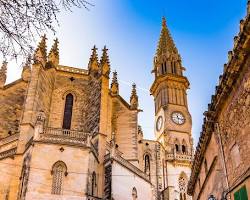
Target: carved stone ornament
{"type": "Point", "coordinates": [40, 117]}
{"type": "Point", "coordinates": [247, 85]}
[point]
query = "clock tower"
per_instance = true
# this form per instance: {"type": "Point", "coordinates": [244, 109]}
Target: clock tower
{"type": "Point", "coordinates": [173, 121]}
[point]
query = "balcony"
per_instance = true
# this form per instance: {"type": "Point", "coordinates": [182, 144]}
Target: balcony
{"type": "Point", "coordinates": [9, 139]}
{"type": "Point", "coordinates": [179, 157]}
{"type": "Point", "coordinates": [8, 146]}
{"type": "Point", "coordinates": [8, 153]}
{"type": "Point", "coordinates": [64, 136]}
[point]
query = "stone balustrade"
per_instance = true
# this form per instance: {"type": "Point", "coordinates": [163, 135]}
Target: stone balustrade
{"type": "Point", "coordinates": [72, 70]}
{"type": "Point", "coordinates": [179, 157]}
{"type": "Point", "coordinates": [64, 136]}
{"type": "Point", "coordinates": [8, 153]}
{"type": "Point", "coordinates": [9, 139]}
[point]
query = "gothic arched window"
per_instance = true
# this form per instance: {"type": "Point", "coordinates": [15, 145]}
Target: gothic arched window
{"type": "Point", "coordinates": [183, 148]}
{"type": "Point", "coordinates": [176, 147]}
{"type": "Point", "coordinates": [59, 170]}
{"type": "Point", "coordinates": [68, 111]}
{"type": "Point", "coordinates": [134, 193]}
{"type": "Point", "coordinates": [147, 164]}
{"type": "Point", "coordinates": [93, 183]}
{"type": "Point", "coordinates": [183, 186]}
{"type": "Point", "coordinates": [165, 67]}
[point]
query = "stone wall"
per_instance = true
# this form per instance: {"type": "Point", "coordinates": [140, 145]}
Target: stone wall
{"type": "Point", "coordinates": [235, 128]}
{"type": "Point", "coordinates": [211, 179]}
{"type": "Point", "coordinates": [75, 182]}
{"type": "Point", "coordinates": [12, 99]}
{"type": "Point", "coordinates": [123, 182]}
{"type": "Point", "coordinates": [63, 86]}
{"type": "Point", "coordinates": [125, 123]}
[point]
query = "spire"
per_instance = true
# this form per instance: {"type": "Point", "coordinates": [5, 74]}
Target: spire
{"type": "Point", "coordinates": [167, 58]}
{"type": "Point", "coordinates": [40, 55]}
{"type": "Point", "coordinates": [93, 61]}
{"type": "Point", "coordinates": [105, 64]}
{"type": "Point", "coordinates": [134, 98]}
{"type": "Point", "coordinates": [166, 43]}
{"type": "Point", "coordinates": [54, 53]}
{"type": "Point", "coordinates": [3, 74]}
{"type": "Point", "coordinates": [114, 84]}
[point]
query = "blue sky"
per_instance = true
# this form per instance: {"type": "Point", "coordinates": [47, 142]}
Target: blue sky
{"type": "Point", "coordinates": [202, 30]}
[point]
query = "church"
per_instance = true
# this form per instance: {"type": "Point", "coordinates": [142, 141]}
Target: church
{"type": "Point", "coordinates": [67, 133]}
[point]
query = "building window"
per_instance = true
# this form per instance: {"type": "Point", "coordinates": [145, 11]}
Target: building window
{"type": "Point", "coordinates": [59, 170]}
{"type": "Point", "coordinates": [177, 147]}
{"type": "Point", "coordinates": [134, 194]}
{"type": "Point", "coordinates": [165, 67]}
{"type": "Point", "coordinates": [183, 186]}
{"type": "Point", "coordinates": [183, 148]}
{"type": "Point", "coordinates": [147, 164]}
{"type": "Point", "coordinates": [241, 194]}
{"type": "Point", "coordinates": [68, 111]}
{"type": "Point", "coordinates": [93, 183]}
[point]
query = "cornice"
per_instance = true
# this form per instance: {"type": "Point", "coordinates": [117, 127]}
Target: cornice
{"type": "Point", "coordinates": [169, 78]}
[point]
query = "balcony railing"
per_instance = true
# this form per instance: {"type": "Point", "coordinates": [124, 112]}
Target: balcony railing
{"type": "Point", "coordinates": [57, 135]}
{"type": "Point", "coordinates": [65, 133]}
{"type": "Point", "coordinates": [179, 156]}
{"type": "Point", "coordinates": [8, 153]}
{"type": "Point", "coordinates": [9, 139]}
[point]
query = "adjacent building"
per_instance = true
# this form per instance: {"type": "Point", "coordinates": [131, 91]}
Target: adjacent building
{"type": "Point", "coordinates": [221, 167]}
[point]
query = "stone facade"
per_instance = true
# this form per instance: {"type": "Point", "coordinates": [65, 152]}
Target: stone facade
{"type": "Point", "coordinates": [221, 166]}
{"type": "Point", "coordinates": [67, 133]}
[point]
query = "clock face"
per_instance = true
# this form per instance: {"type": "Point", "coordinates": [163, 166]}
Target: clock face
{"type": "Point", "coordinates": [178, 118]}
{"type": "Point", "coordinates": [159, 123]}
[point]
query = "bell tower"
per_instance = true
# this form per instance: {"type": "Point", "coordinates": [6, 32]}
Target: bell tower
{"type": "Point", "coordinates": [173, 121]}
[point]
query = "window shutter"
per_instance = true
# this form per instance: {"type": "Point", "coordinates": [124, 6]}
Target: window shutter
{"type": "Point", "coordinates": [241, 194]}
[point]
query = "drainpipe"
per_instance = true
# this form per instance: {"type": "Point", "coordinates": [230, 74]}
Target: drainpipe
{"type": "Point", "coordinates": [156, 168]}
{"type": "Point", "coordinates": [223, 157]}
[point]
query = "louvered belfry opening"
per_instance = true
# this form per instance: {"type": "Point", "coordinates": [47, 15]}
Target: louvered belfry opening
{"type": "Point", "coordinates": [68, 111]}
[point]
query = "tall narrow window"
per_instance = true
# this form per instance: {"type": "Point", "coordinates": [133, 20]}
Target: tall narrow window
{"type": "Point", "coordinates": [177, 147]}
{"type": "Point", "coordinates": [165, 67]}
{"type": "Point", "coordinates": [93, 183]}
{"type": "Point", "coordinates": [59, 170]}
{"type": "Point", "coordinates": [183, 148]}
{"type": "Point", "coordinates": [134, 193]}
{"type": "Point", "coordinates": [162, 69]}
{"type": "Point", "coordinates": [68, 111]}
{"type": "Point", "coordinates": [183, 186]}
{"type": "Point", "coordinates": [147, 164]}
